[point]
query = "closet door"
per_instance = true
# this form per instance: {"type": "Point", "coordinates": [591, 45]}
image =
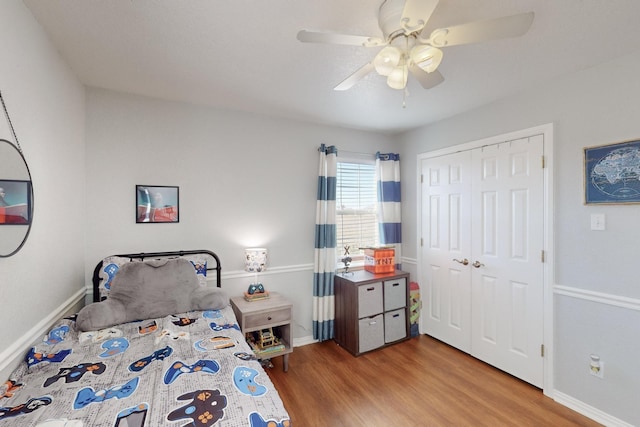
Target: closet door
{"type": "Point", "coordinates": [482, 219]}
{"type": "Point", "coordinates": [506, 261]}
{"type": "Point", "coordinates": [446, 209]}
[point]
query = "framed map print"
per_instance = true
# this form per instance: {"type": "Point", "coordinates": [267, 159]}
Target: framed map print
{"type": "Point", "coordinates": [612, 173]}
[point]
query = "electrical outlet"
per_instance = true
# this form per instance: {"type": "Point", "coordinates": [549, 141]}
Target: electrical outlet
{"type": "Point", "coordinates": [596, 366]}
{"type": "Point", "coordinates": [597, 373]}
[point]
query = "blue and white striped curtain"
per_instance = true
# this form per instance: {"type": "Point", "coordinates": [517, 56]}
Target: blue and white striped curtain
{"type": "Point", "coordinates": [389, 206]}
{"type": "Point", "coordinates": [325, 246]}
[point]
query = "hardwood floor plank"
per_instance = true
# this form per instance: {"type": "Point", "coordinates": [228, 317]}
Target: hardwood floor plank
{"type": "Point", "coordinates": [419, 382]}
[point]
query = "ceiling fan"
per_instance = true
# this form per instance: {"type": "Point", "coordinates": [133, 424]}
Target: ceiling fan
{"type": "Point", "coordinates": [408, 47]}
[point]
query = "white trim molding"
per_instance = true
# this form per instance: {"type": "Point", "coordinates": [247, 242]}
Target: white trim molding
{"type": "Point", "coordinates": [588, 411]}
{"type": "Point", "coordinates": [411, 261]}
{"type": "Point", "coordinates": [240, 274]}
{"type": "Point", "coordinates": [299, 342]}
{"type": "Point", "coordinates": [18, 348]}
{"type": "Point", "coordinates": [599, 297]}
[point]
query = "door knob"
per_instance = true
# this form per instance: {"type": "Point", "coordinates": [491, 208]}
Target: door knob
{"type": "Point", "coordinates": [463, 262]}
{"type": "Point", "coordinates": [477, 264]}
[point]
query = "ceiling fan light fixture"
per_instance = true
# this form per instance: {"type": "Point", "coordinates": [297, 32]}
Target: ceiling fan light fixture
{"type": "Point", "coordinates": [409, 48]}
{"type": "Point", "coordinates": [398, 77]}
{"type": "Point", "coordinates": [426, 57]}
{"type": "Point", "coordinates": [387, 59]}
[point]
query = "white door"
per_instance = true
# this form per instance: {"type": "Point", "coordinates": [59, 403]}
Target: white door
{"type": "Point", "coordinates": [491, 307]}
{"type": "Point", "coordinates": [507, 270]}
{"type": "Point", "coordinates": [446, 207]}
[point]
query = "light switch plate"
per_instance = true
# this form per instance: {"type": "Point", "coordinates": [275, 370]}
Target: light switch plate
{"type": "Point", "coordinates": [597, 222]}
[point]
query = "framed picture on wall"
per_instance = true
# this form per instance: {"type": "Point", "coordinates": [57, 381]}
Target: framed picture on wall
{"type": "Point", "coordinates": [157, 203]}
{"type": "Point", "coordinates": [612, 173]}
{"type": "Point", "coordinates": [15, 202]}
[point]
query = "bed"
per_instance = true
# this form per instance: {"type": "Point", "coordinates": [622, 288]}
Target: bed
{"type": "Point", "coordinates": [185, 368]}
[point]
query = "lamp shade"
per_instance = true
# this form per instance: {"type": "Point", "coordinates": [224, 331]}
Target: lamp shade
{"type": "Point", "coordinates": [426, 57]}
{"type": "Point", "coordinates": [398, 77]}
{"type": "Point", "coordinates": [386, 60]}
{"type": "Point", "coordinates": [255, 260]}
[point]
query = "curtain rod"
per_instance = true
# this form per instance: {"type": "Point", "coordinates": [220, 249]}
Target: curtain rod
{"type": "Point", "coordinates": [372, 155]}
{"type": "Point", "coordinates": [352, 153]}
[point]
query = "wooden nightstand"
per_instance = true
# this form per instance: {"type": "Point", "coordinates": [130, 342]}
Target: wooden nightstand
{"type": "Point", "coordinates": [273, 312]}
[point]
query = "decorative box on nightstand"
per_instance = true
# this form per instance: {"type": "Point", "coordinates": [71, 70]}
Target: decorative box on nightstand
{"type": "Point", "coordinates": [264, 317]}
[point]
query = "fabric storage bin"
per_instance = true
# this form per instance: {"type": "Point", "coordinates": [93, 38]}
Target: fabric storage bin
{"type": "Point", "coordinates": [369, 299]}
{"type": "Point", "coordinates": [371, 333]}
{"type": "Point", "coordinates": [395, 294]}
{"type": "Point", "coordinates": [395, 326]}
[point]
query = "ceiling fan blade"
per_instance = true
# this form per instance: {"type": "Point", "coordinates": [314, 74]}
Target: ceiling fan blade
{"type": "Point", "coordinates": [333, 38]}
{"type": "Point", "coordinates": [427, 80]}
{"type": "Point", "coordinates": [480, 31]}
{"type": "Point", "coordinates": [355, 77]}
{"type": "Point", "coordinates": [416, 13]}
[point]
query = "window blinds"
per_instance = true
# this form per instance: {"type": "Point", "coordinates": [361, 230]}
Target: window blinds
{"type": "Point", "coordinates": [356, 203]}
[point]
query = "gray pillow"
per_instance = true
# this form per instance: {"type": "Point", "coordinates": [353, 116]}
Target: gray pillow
{"type": "Point", "coordinates": [150, 289]}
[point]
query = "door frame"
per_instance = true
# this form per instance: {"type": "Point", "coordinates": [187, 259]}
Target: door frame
{"type": "Point", "coordinates": [546, 131]}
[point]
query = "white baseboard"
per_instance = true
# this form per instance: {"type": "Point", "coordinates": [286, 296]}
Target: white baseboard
{"type": "Point", "coordinates": [11, 356]}
{"type": "Point", "coordinates": [299, 342]}
{"type": "Point", "coordinates": [588, 411]}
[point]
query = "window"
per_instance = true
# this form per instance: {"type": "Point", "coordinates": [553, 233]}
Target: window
{"type": "Point", "coordinates": [356, 208]}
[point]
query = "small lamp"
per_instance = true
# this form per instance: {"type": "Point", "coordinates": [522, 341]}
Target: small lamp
{"type": "Point", "coordinates": [255, 261]}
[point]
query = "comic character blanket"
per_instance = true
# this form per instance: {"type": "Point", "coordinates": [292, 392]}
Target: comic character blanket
{"type": "Point", "coordinates": [191, 369]}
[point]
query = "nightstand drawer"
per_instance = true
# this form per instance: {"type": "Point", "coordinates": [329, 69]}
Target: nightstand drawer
{"type": "Point", "coordinates": [266, 318]}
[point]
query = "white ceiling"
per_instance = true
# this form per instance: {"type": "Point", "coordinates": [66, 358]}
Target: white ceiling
{"type": "Point", "coordinates": [243, 54]}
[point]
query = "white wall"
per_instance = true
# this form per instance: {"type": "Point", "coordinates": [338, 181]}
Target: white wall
{"type": "Point", "coordinates": [597, 296]}
{"type": "Point", "coordinates": [218, 158]}
{"type": "Point", "coordinates": [244, 181]}
{"type": "Point", "coordinates": [46, 105]}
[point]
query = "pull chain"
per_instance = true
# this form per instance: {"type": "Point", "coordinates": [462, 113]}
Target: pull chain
{"type": "Point", "coordinates": [405, 70]}
{"type": "Point", "coordinates": [6, 113]}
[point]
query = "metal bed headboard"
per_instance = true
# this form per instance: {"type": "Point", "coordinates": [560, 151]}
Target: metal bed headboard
{"type": "Point", "coordinates": [142, 255]}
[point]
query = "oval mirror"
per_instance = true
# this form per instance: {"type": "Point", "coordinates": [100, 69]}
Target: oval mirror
{"type": "Point", "coordinates": [16, 199]}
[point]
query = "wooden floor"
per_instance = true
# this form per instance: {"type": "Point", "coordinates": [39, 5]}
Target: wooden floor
{"type": "Point", "coordinates": [419, 382]}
